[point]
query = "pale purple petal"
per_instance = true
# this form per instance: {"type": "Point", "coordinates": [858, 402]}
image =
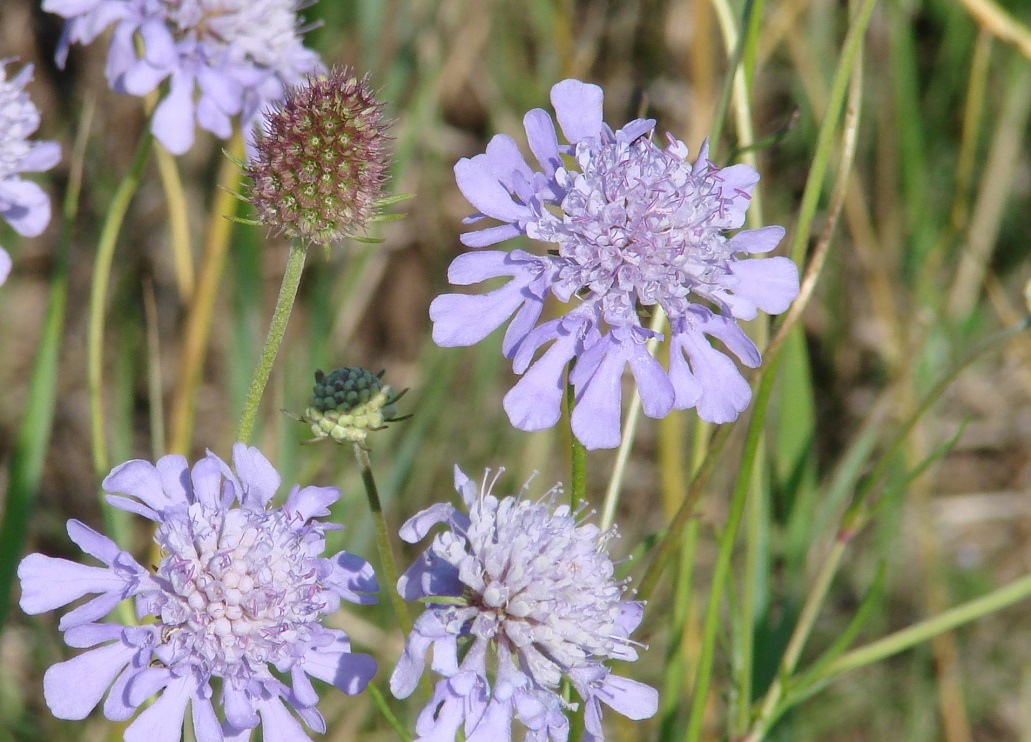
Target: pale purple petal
{"type": "Point", "coordinates": [73, 688]}
{"type": "Point", "coordinates": [534, 403]}
{"type": "Point", "coordinates": [348, 672]}
{"type": "Point", "coordinates": [239, 708]}
{"type": "Point", "coordinates": [725, 393]}
{"type": "Point", "coordinates": [770, 284]}
{"type": "Point", "coordinates": [482, 189]}
{"type": "Point", "coordinates": [278, 724]}
{"type": "Point", "coordinates": [630, 698]}
{"type": "Point", "coordinates": [174, 116]}
{"type": "Point", "coordinates": [24, 205]}
{"type": "Point", "coordinates": [162, 721]}
{"type": "Point", "coordinates": [543, 140]}
{"type": "Point", "coordinates": [465, 319]}
{"type": "Point", "coordinates": [489, 236]}
{"type": "Point", "coordinates": [416, 527]}
{"type": "Point", "coordinates": [42, 156]}
{"type": "Point", "coordinates": [140, 480]}
{"type": "Point", "coordinates": [352, 578]}
{"type": "Point", "coordinates": [49, 583]}
{"type": "Point", "coordinates": [5, 265]}
{"type": "Point", "coordinates": [259, 478]}
{"type": "Point", "coordinates": [306, 503]}
{"type": "Point", "coordinates": [755, 241]}
{"type": "Point", "coordinates": [578, 108]}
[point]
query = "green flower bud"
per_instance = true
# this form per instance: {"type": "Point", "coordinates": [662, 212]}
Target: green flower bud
{"type": "Point", "coordinates": [348, 403]}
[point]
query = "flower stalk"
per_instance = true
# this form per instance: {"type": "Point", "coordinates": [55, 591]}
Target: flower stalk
{"type": "Point", "coordinates": [274, 338]}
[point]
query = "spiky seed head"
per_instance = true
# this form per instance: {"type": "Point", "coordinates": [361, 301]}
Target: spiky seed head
{"type": "Point", "coordinates": [348, 403]}
{"type": "Point", "coordinates": [322, 160]}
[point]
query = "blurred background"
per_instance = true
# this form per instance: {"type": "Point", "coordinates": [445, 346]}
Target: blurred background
{"type": "Point", "coordinates": [929, 259]}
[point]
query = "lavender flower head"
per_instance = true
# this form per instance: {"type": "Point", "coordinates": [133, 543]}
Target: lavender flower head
{"type": "Point", "coordinates": [222, 58]}
{"type": "Point", "coordinates": [239, 590]}
{"type": "Point", "coordinates": [628, 225]}
{"type": "Point", "coordinates": [23, 204]}
{"type": "Point", "coordinates": [529, 584]}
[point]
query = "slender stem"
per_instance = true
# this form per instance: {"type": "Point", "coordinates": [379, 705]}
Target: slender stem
{"type": "Point", "coordinates": [98, 297]}
{"type": "Point", "coordinates": [813, 603]}
{"type": "Point", "coordinates": [578, 453]}
{"type": "Point", "coordinates": [626, 442]}
{"type": "Point", "coordinates": [386, 713]}
{"type": "Point", "coordinates": [703, 675]}
{"type": "Point", "coordinates": [383, 543]}
{"type": "Point", "coordinates": [178, 222]}
{"type": "Point", "coordinates": [930, 627]}
{"type": "Point", "coordinates": [33, 438]}
{"type": "Point", "coordinates": [198, 321]}
{"type": "Point", "coordinates": [276, 331]}
{"type": "Point", "coordinates": [829, 125]}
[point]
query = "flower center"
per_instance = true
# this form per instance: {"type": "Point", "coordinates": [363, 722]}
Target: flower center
{"type": "Point", "coordinates": [261, 31]}
{"type": "Point", "coordinates": [541, 585]}
{"type": "Point", "coordinates": [241, 586]}
{"type": "Point", "coordinates": [18, 119]}
{"type": "Point", "coordinates": [638, 228]}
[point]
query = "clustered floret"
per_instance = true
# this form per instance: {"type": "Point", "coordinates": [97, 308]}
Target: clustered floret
{"type": "Point", "coordinates": [627, 226]}
{"type": "Point", "coordinates": [23, 204]}
{"type": "Point", "coordinates": [238, 597]}
{"type": "Point", "coordinates": [528, 587]}
{"type": "Point", "coordinates": [222, 58]}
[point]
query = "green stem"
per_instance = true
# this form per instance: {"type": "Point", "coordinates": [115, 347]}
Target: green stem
{"type": "Point", "coordinates": [578, 454]}
{"type": "Point", "coordinates": [828, 127]}
{"type": "Point", "coordinates": [276, 331]}
{"type": "Point", "coordinates": [386, 713]}
{"type": "Point", "coordinates": [811, 609]}
{"type": "Point", "coordinates": [98, 297]}
{"type": "Point", "coordinates": [30, 445]}
{"type": "Point", "coordinates": [383, 543]}
{"type": "Point", "coordinates": [929, 628]}
{"type": "Point", "coordinates": [703, 675]}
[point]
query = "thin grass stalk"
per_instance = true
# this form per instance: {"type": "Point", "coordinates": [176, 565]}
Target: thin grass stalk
{"type": "Point", "coordinates": [154, 385]}
{"type": "Point", "coordinates": [825, 137]}
{"type": "Point", "coordinates": [98, 298]}
{"type": "Point", "coordinates": [992, 17]}
{"type": "Point", "coordinates": [973, 118]}
{"type": "Point", "coordinates": [626, 441]}
{"type": "Point", "coordinates": [178, 222]}
{"type": "Point", "coordinates": [769, 711]}
{"type": "Point", "coordinates": [854, 520]}
{"type": "Point", "coordinates": [384, 710]}
{"type": "Point", "coordinates": [30, 445]}
{"type": "Point", "coordinates": [198, 320]}
{"type": "Point", "coordinates": [929, 628]}
{"type": "Point", "coordinates": [721, 572]}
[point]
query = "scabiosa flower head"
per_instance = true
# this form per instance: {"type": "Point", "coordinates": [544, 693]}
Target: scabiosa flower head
{"type": "Point", "coordinates": [349, 403]}
{"type": "Point", "coordinates": [222, 58]}
{"type": "Point", "coordinates": [241, 589]}
{"type": "Point", "coordinates": [322, 159]}
{"type": "Point", "coordinates": [23, 204]}
{"type": "Point", "coordinates": [530, 585]}
{"type": "Point", "coordinates": [627, 225]}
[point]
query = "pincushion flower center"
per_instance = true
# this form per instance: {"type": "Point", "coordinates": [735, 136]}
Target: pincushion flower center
{"type": "Point", "coordinates": [260, 29]}
{"type": "Point", "coordinates": [638, 229]}
{"type": "Point", "coordinates": [240, 585]}
{"type": "Point", "coordinates": [18, 119]}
